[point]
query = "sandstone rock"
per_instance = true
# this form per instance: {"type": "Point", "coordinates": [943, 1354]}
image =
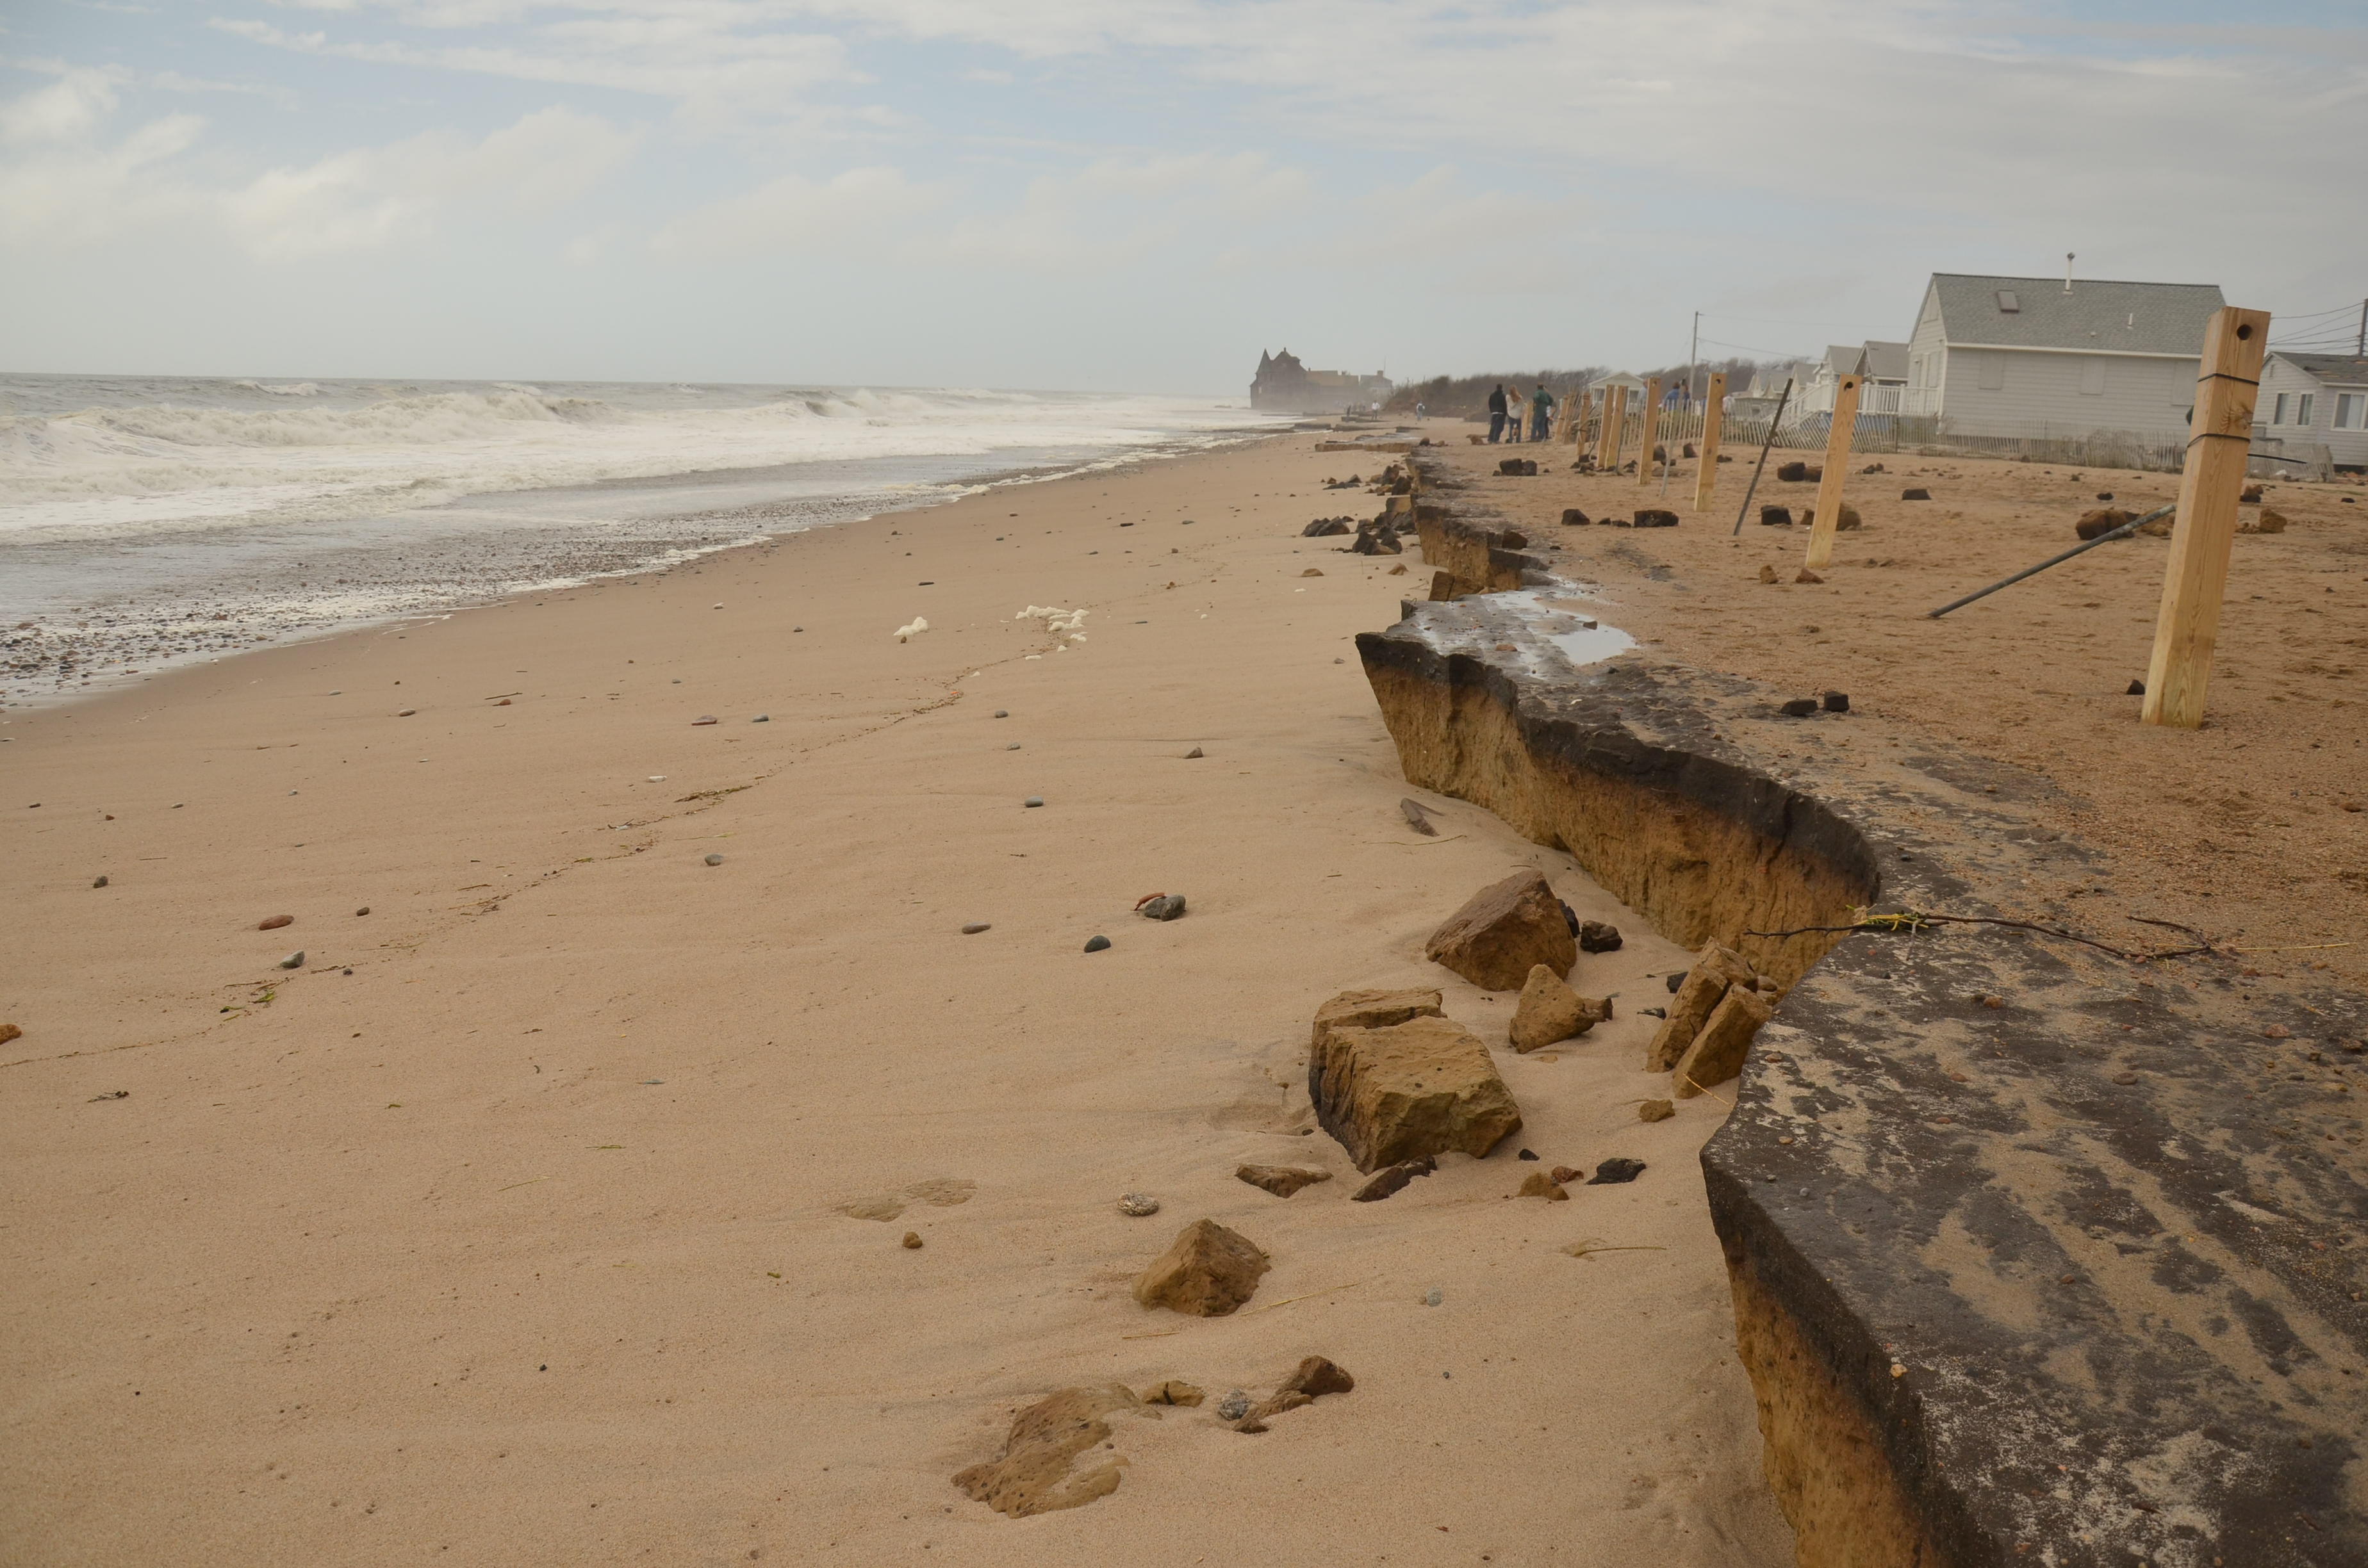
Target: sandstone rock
{"type": "Point", "coordinates": [1175, 1392]}
{"type": "Point", "coordinates": [1369, 1010]}
{"type": "Point", "coordinates": [1845, 517]}
{"type": "Point", "coordinates": [1798, 708]}
{"type": "Point", "coordinates": [1390, 1180]}
{"type": "Point", "coordinates": [1035, 1473]}
{"type": "Point", "coordinates": [1656, 1110]}
{"type": "Point", "coordinates": [1318, 1377]}
{"type": "Point", "coordinates": [1717, 1052]}
{"type": "Point", "coordinates": [1419, 1087]}
{"type": "Point", "coordinates": [276, 922]}
{"type": "Point", "coordinates": [1776, 517]}
{"type": "Point", "coordinates": [1714, 971]}
{"type": "Point", "coordinates": [1276, 1403]}
{"type": "Point", "coordinates": [913, 1240]}
{"type": "Point", "coordinates": [1550, 1011]}
{"type": "Point", "coordinates": [1564, 1175]}
{"type": "Point", "coordinates": [1443, 586]}
{"type": "Point", "coordinates": [1324, 527]}
{"type": "Point", "coordinates": [1207, 1272]}
{"type": "Point", "coordinates": [1598, 936]}
{"type": "Point", "coordinates": [1835, 702]}
{"type": "Point", "coordinates": [2103, 520]}
{"type": "Point", "coordinates": [1573, 517]}
{"type": "Point", "coordinates": [1805, 575]}
{"type": "Point", "coordinates": [1502, 931]}
{"type": "Point", "coordinates": [1768, 573]}
{"type": "Point", "coordinates": [1793, 472]}
{"type": "Point", "coordinates": [1312, 571]}
{"type": "Point", "coordinates": [1540, 1185]}
{"type": "Point", "coordinates": [9, 1032]}
{"type": "Point", "coordinates": [2253, 495]}
{"type": "Point", "coordinates": [1918, 492]}
{"type": "Point", "coordinates": [2269, 522]}
{"type": "Point", "coordinates": [1280, 1180]}
{"type": "Point", "coordinates": [1655, 517]}
{"type": "Point", "coordinates": [1398, 570]}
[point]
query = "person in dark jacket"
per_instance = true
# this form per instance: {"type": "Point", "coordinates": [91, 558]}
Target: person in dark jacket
{"type": "Point", "coordinates": [1497, 412]}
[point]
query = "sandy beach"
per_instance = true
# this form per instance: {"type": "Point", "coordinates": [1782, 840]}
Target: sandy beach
{"type": "Point", "coordinates": [512, 1227]}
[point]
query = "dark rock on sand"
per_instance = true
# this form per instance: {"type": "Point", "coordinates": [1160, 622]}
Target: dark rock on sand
{"type": "Point", "coordinates": [1166, 906]}
{"type": "Point", "coordinates": [1613, 1172]}
{"type": "Point", "coordinates": [1280, 1180]}
{"type": "Point", "coordinates": [1596, 936]}
{"type": "Point", "coordinates": [1391, 1179]}
{"type": "Point", "coordinates": [1776, 517]}
{"type": "Point", "coordinates": [1097, 944]}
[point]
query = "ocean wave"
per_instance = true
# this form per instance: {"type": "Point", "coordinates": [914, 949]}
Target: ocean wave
{"type": "Point", "coordinates": [289, 388]}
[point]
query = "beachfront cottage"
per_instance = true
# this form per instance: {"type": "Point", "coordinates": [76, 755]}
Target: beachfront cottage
{"type": "Point", "coordinates": [1882, 369]}
{"type": "Point", "coordinates": [2048, 357]}
{"type": "Point", "coordinates": [2314, 408]}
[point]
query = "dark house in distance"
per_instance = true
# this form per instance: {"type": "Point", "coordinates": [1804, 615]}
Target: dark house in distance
{"type": "Point", "coordinates": [1287, 386]}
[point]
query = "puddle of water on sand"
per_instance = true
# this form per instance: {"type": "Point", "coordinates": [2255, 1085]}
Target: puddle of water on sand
{"type": "Point", "coordinates": [1568, 623]}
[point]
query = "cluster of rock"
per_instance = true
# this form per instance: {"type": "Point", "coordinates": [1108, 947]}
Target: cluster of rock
{"type": "Point", "coordinates": [1710, 1022]}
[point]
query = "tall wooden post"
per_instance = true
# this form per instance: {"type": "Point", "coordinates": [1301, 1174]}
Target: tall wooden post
{"type": "Point", "coordinates": [1645, 427]}
{"type": "Point", "coordinates": [1615, 412]}
{"type": "Point", "coordinates": [1713, 416]}
{"type": "Point", "coordinates": [1578, 424]}
{"type": "Point", "coordinates": [2189, 623]}
{"type": "Point", "coordinates": [1829, 488]}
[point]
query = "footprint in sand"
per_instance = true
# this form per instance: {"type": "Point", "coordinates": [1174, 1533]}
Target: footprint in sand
{"type": "Point", "coordinates": [942, 1192]}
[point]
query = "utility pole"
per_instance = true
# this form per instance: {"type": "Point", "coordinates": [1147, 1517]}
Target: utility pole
{"type": "Point", "coordinates": [1693, 350]}
{"type": "Point", "coordinates": [2360, 349]}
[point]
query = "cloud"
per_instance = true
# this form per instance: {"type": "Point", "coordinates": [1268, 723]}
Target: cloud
{"type": "Point", "coordinates": [65, 182]}
{"type": "Point", "coordinates": [1117, 212]}
{"type": "Point", "coordinates": [856, 211]}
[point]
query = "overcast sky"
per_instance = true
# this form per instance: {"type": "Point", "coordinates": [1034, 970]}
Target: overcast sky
{"type": "Point", "coordinates": [1130, 194]}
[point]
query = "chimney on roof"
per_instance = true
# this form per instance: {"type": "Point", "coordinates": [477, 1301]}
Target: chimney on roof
{"type": "Point", "coordinates": [2068, 272]}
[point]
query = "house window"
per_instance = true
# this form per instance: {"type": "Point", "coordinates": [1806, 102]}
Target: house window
{"type": "Point", "coordinates": [2092, 377]}
{"type": "Point", "coordinates": [2302, 407]}
{"type": "Point", "coordinates": [2008, 303]}
{"type": "Point", "coordinates": [1993, 376]}
{"type": "Point", "coordinates": [2351, 410]}
{"type": "Point", "coordinates": [2278, 410]}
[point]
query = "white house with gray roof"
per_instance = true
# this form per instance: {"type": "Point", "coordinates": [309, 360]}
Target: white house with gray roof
{"type": "Point", "coordinates": [2309, 401]}
{"type": "Point", "coordinates": [2057, 356]}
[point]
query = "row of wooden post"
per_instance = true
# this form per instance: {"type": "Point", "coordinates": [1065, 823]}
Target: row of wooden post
{"type": "Point", "coordinates": [2186, 626]}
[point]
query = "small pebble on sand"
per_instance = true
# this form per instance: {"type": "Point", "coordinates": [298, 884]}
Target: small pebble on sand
{"type": "Point", "coordinates": [1003, 712]}
{"type": "Point", "coordinates": [1033, 800]}
{"type": "Point", "coordinates": [293, 960]}
{"type": "Point", "coordinates": [715, 859]}
{"type": "Point", "coordinates": [762, 719]}
{"type": "Point", "coordinates": [975, 926]}
{"type": "Point", "coordinates": [1097, 944]}
{"type": "Point", "coordinates": [276, 922]}
{"type": "Point", "coordinates": [98, 882]}
{"type": "Point", "coordinates": [1137, 1205]}
{"type": "Point", "coordinates": [363, 911]}
{"type": "Point", "coordinates": [912, 1238]}
{"type": "Point", "coordinates": [1433, 1296]}
{"type": "Point", "coordinates": [704, 719]}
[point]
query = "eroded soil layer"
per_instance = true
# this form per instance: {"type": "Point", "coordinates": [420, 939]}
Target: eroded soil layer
{"type": "Point", "coordinates": [2040, 1252]}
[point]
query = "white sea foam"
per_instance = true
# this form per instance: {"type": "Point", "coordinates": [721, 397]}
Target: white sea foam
{"type": "Point", "coordinates": [214, 453]}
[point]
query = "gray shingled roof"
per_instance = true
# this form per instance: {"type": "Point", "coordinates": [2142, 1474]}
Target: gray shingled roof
{"type": "Point", "coordinates": [2133, 318]}
{"type": "Point", "coordinates": [1886, 361]}
{"type": "Point", "coordinates": [2349, 369]}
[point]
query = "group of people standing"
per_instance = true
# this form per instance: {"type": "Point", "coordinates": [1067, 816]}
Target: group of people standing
{"type": "Point", "coordinates": [1505, 413]}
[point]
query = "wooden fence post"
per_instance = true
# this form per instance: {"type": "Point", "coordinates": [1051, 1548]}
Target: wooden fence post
{"type": "Point", "coordinates": [2197, 576]}
{"type": "Point", "coordinates": [1829, 488]}
{"type": "Point", "coordinates": [1713, 416]}
{"type": "Point", "coordinates": [1578, 425]}
{"type": "Point", "coordinates": [1616, 411]}
{"type": "Point", "coordinates": [1645, 427]}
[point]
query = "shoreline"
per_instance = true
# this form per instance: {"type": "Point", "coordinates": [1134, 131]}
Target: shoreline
{"type": "Point", "coordinates": [658, 541]}
{"type": "Point", "coordinates": [549, 1194]}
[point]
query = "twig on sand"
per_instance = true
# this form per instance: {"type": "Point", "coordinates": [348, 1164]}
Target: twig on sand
{"type": "Point", "coordinates": [1309, 1297]}
{"type": "Point", "coordinates": [1161, 1334]}
{"type": "Point", "coordinates": [1705, 1089]}
{"type": "Point", "coordinates": [516, 1184]}
{"type": "Point", "coordinates": [1590, 1246]}
{"type": "Point", "coordinates": [1916, 920]}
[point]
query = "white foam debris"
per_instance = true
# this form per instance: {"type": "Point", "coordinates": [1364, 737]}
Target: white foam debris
{"type": "Point", "coordinates": [1066, 626]}
{"type": "Point", "coordinates": [912, 629]}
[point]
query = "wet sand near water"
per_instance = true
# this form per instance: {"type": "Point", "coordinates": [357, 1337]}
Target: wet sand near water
{"type": "Point", "coordinates": [526, 1242]}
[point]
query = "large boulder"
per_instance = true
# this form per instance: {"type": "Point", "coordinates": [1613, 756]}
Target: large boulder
{"type": "Point", "coordinates": [1417, 1088]}
{"type": "Point", "coordinates": [1717, 1052]}
{"type": "Point", "coordinates": [1369, 1010]}
{"type": "Point", "coordinates": [1504, 931]}
{"type": "Point", "coordinates": [1206, 1273]}
{"type": "Point", "coordinates": [1714, 969]}
{"type": "Point", "coordinates": [1551, 1011]}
